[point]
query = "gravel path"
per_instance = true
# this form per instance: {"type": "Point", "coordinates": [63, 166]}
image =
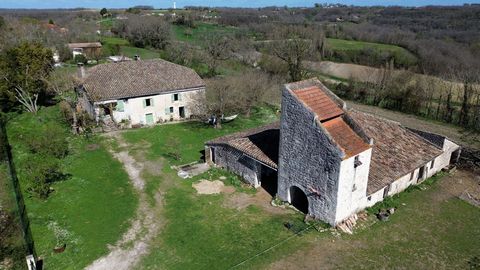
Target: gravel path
{"type": "Point", "coordinates": [127, 252]}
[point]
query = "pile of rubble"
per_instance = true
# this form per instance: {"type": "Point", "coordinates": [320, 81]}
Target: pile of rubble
{"type": "Point", "coordinates": [347, 225]}
{"type": "Point", "coordinates": [470, 159]}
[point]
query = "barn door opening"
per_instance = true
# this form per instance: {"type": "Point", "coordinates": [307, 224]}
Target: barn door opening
{"type": "Point", "coordinates": [299, 199]}
{"type": "Point", "coordinates": [269, 180]}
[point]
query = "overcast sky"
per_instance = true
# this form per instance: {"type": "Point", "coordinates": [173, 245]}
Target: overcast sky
{"type": "Point", "coordinates": [230, 3]}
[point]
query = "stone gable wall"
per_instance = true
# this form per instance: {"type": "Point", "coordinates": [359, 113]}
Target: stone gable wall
{"type": "Point", "coordinates": [308, 159]}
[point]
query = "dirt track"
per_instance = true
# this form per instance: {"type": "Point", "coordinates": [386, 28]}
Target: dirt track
{"type": "Point", "coordinates": [127, 252]}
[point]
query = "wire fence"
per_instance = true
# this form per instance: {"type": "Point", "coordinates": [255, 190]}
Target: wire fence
{"type": "Point", "coordinates": [20, 210]}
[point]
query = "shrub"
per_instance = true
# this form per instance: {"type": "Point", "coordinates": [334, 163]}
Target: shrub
{"type": "Point", "coordinates": [80, 58]}
{"type": "Point", "coordinates": [40, 172]}
{"type": "Point", "coordinates": [51, 141]}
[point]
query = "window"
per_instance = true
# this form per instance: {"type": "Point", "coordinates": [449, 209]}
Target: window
{"type": "Point", "coordinates": [148, 102]}
{"type": "Point", "coordinates": [120, 106]}
{"type": "Point", "coordinates": [357, 162]}
{"type": "Point", "coordinates": [175, 97]}
{"type": "Point", "coordinates": [171, 109]}
{"type": "Point", "coordinates": [369, 198]}
{"type": "Point", "coordinates": [411, 175]}
{"type": "Point", "coordinates": [431, 165]}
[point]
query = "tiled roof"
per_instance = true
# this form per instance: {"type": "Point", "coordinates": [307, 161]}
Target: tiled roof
{"type": "Point", "coordinates": [329, 113]}
{"type": "Point", "coordinates": [85, 45]}
{"type": "Point", "coordinates": [319, 102]}
{"type": "Point", "coordinates": [397, 151]}
{"type": "Point", "coordinates": [350, 143]}
{"type": "Point", "coordinates": [259, 143]}
{"type": "Point", "coordinates": [138, 78]}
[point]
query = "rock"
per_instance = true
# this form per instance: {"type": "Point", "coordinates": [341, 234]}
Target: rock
{"type": "Point", "coordinates": [391, 210]}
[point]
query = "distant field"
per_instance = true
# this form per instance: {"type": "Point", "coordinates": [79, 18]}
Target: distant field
{"type": "Point", "coordinates": [195, 35]}
{"type": "Point", "coordinates": [128, 50]}
{"type": "Point", "coordinates": [351, 49]}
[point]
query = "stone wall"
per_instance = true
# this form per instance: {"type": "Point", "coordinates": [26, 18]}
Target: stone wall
{"type": "Point", "coordinates": [308, 159]}
{"type": "Point", "coordinates": [238, 163]}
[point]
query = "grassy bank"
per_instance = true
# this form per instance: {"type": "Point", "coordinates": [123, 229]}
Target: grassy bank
{"type": "Point", "coordinates": [90, 208]}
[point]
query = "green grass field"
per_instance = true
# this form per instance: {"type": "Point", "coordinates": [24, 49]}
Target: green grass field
{"type": "Point", "coordinates": [128, 50]}
{"type": "Point", "coordinates": [191, 135]}
{"type": "Point", "coordinates": [355, 49]}
{"type": "Point", "coordinates": [197, 34]}
{"type": "Point", "coordinates": [92, 207]}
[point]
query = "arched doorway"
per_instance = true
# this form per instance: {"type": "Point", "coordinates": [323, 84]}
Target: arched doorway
{"type": "Point", "coordinates": [298, 199]}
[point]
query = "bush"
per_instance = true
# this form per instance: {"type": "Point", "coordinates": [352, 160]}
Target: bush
{"type": "Point", "coordinates": [80, 58]}
{"type": "Point", "coordinates": [40, 172]}
{"type": "Point", "coordinates": [51, 141]}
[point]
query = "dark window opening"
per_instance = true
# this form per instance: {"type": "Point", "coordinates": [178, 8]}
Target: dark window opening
{"type": "Point", "coordinates": [175, 97]}
{"type": "Point", "coordinates": [431, 165]}
{"type": "Point", "coordinates": [411, 175]}
{"type": "Point", "coordinates": [369, 198]}
{"type": "Point", "coordinates": [181, 112]}
{"type": "Point", "coordinates": [385, 191]}
{"type": "Point", "coordinates": [171, 109]}
{"type": "Point", "coordinates": [420, 173]}
{"type": "Point", "coordinates": [148, 102]}
{"type": "Point", "coordinates": [357, 162]}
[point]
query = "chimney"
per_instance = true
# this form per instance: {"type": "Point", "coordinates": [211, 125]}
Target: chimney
{"type": "Point", "coordinates": [81, 71]}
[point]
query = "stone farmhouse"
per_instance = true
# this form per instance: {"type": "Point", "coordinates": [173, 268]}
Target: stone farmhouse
{"type": "Point", "coordinates": [330, 161]}
{"type": "Point", "coordinates": [139, 92]}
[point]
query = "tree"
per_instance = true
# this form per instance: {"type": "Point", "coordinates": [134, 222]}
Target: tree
{"type": "Point", "coordinates": [291, 47]}
{"type": "Point", "coordinates": [103, 12]}
{"type": "Point", "coordinates": [50, 21]}
{"type": "Point", "coordinates": [22, 70]}
{"type": "Point", "coordinates": [218, 48]}
{"type": "Point", "coordinates": [148, 31]}
{"type": "Point", "coordinates": [63, 85]}
{"type": "Point", "coordinates": [249, 89]}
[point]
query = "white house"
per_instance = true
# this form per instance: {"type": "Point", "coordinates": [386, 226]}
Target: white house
{"type": "Point", "coordinates": [140, 92]}
{"type": "Point", "coordinates": [330, 161]}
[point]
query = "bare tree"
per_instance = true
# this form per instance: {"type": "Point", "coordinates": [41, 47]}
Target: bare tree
{"type": "Point", "coordinates": [218, 48]}
{"type": "Point", "coordinates": [63, 85]}
{"type": "Point", "coordinates": [292, 48]}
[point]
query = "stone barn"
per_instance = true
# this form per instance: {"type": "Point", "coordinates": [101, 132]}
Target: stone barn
{"type": "Point", "coordinates": [330, 161]}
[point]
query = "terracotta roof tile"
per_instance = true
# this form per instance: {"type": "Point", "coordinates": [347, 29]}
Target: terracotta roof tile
{"type": "Point", "coordinates": [319, 102]}
{"type": "Point", "coordinates": [350, 143]}
{"type": "Point", "coordinates": [397, 151]}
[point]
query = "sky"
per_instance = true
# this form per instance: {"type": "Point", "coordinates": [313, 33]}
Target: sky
{"type": "Point", "coordinates": [218, 3]}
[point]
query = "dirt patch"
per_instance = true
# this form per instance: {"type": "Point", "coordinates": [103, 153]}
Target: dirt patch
{"type": "Point", "coordinates": [154, 167]}
{"type": "Point", "coordinates": [261, 199]}
{"type": "Point", "coordinates": [212, 187]}
{"type": "Point", "coordinates": [459, 183]}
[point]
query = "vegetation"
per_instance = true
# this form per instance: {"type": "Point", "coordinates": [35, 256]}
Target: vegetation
{"type": "Point", "coordinates": [73, 213]}
{"type": "Point", "coordinates": [194, 135]}
{"type": "Point", "coordinates": [352, 51]}
{"type": "Point", "coordinates": [24, 70]}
